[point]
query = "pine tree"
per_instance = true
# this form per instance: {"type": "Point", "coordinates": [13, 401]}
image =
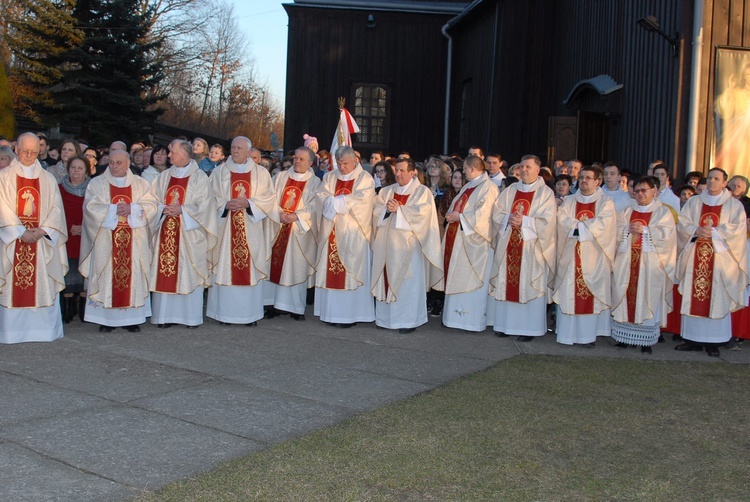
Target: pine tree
{"type": "Point", "coordinates": [7, 120]}
{"type": "Point", "coordinates": [106, 88]}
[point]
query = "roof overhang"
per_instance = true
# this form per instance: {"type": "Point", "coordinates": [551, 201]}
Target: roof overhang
{"type": "Point", "coordinates": [449, 8]}
{"type": "Point", "coordinates": [601, 84]}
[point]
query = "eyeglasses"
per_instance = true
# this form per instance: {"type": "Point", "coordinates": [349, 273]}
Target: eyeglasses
{"type": "Point", "coordinates": [641, 190]}
{"type": "Point", "coordinates": [379, 171]}
{"type": "Point", "coordinates": [29, 152]}
{"type": "Point", "coordinates": [580, 178]}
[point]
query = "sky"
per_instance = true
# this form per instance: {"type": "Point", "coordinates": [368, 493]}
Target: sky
{"type": "Point", "coordinates": [264, 24]}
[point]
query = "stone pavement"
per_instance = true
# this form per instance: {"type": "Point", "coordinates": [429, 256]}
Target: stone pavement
{"type": "Point", "coordinates": [103, 417]}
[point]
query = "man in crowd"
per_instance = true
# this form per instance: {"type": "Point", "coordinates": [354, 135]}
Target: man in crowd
{"type": "Point", "coordinates": [467, 250]}
{"type": "Point", "coordinates": [525, 258]}
{"type": "Point", "coordinates": [494, 168]}
{"type": "Point", "coordinates": [586, 244]}
{"type": "Point", "coordinates": [32, 239]}
{"type": "Point", "coordinates": [184, 232]}
{"type": "Point", "coordinates": [293, 247]}
{"type": "Point", "coordinates": [43, 158]}
{"type": "Point", "coordinates": [406, 253]}
{"type": "Point", "coordinates": [244, 196]}
{"type": "Point", "coordinates": [115, 251]}
{"type": "Point", "coordinates": [574, 167]}
{"type": "Point", "coordinates": [666, 195]}
{"type": "Point", "coordinates": [475, 150]}
{"type": "Point", "coordinates": [342, 294]}
{"type": "Point", "coordinates": [612, 187]}
{"type": "Point", "coordinates": [712, 265]}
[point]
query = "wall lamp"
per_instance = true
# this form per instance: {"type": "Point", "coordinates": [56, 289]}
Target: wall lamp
{"type": "Point", "coordinates": [650, 24]}
{"type": "Point", "coordinates": [371, 21]}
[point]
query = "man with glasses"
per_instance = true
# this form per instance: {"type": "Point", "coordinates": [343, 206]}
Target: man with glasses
{"type": "Point", "coordinates": [586, 244]}
{"type": "Point", "coordinates": [32, 241]}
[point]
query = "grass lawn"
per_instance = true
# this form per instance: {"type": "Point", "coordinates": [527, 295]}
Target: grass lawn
{"type": "Point", "coordinates": [529, 428]}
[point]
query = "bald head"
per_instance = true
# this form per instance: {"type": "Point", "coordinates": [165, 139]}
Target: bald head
{"type": "Point", "coordinates": [27, 148]}
{"type": "Point", "coordinates": [118, 145]}
{"type": "Point", "coordinates": [119, 163]}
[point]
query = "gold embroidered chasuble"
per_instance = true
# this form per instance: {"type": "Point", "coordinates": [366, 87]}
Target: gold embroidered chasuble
{"type": "Point", "coordinates": [263, 197]}
{"type": "Point", "coordinates": [187, 254]}
{"type": "Point", "coordinates": [393, 247]}
{"type": "Point", "coordinates": [656, 266]}
{"type": "Point", "coordinates": [40, 268]}
{"type": "Point", "coordinates": [96, 239]}
{"type": "Point", "coordinates": [536, 264]}
{"type": "Point", "coordinates": [729, 275]}
{"type": "Point", "coordinates": [353, 228]}
{"type": "Point", "coordinates": [596, 256]}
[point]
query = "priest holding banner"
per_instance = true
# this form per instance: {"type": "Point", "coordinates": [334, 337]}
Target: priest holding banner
{"type": "Point", "coordinates": [184, 232]}
{"type": "Point", "coordinates": [32, 239]}
{"type": "Point", "coordinates": [115, 251]}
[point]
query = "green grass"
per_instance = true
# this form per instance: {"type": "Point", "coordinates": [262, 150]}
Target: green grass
{"type": "Point", "coordinates": [530, 428]}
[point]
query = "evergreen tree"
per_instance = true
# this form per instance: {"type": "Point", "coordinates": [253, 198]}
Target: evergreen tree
{"type": "Point", "coordinates": [106, 88]}
{"type": "Point", "coordinates": [39, 35]}
{"type": "Point", "coordinates": [7, 120]}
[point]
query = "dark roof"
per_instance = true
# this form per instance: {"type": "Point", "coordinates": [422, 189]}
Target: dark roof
{"type": "Point", "coordinates": [423, 6]}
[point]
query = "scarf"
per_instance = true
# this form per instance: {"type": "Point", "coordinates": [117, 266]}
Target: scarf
{"type": "Point", "coordinates": [77, 190]}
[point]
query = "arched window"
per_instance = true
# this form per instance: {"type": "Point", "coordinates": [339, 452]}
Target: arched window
{"type": "Point", "coordinates": [371, 103]}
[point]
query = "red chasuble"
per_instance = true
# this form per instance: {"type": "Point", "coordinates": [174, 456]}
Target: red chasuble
{"type": "Point", "coordinates": [631, 295]}
{"type": "Point", "coordinates": [336, 273]}
{"type": "Point", "coordinates": [401, 199]}
{"type": "Point", "coordinates": [290, 200]}
{"type": "Point", "coordinates": [453, 227]}
{"type": "Point", "coordinates": [514, 251]}
{"type": "Point", "coordinates": [584, 298]}
{"type": "Point", "coordinates": [703, 264]}
{"type": "Point", "coordinates": [28, 202]}
{"type": "Point", "coordinates": [169, 239]}
{"type": "Point", "coordinates": [241, 259]}
{"type": "Point", "coordinates": [122, 251]}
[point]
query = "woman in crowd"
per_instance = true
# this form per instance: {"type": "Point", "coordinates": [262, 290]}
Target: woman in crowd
{"type": "Point", "coordinates": [457, 181]}
{"type": "Point", "coordinates": [383, 171]}
{"type": "Point", "coordinates": [644, 269]}
{"type": "Point", "coordinates": [93, 157]}
{"type": "Point", "coordinates": [200, 151]}
{"type": "Point", "coordinates": [138, 162]}
{"type": "Point", "coordinates": [103, 163]}
{"type": "Point", "coordinates": [72, 189]}
{"type": "Point", "coordinates": [159, 161]}
{"type": "Point", "coordinates": [439, 177]}
{"type": "Point", "coordinates": [6, 156]}
{"type": "Point", "coordinates": [68, 149]}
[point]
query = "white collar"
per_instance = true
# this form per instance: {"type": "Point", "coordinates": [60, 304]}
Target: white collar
{"type": "Point", "coordinates": [531, 187]}
{"type": "Point", "coordinates": [401, 190]}
{"type": "Point", "coordinates": [299, 177]}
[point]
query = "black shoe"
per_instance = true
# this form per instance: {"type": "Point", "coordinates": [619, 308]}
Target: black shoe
{"type": "Point", "coordinates": [661, 338]}
{"type": "Point", "coordinates": [589, 345]}
{"type": "Point", "coordinates": [133, 328]}
{"type": "Point", "coordinates": [406, 331]}
{"type": "Point", "coordinates": [437, 309]}
{"type": "Point", "coordinates": [677, 338]}
{"type": "Point", "coordinates": [646, 350]}
{"type": "Point", "coordinates": [688, 347]}
{"type": "Point", "coordinates": [81, 307]}
{"type": "Point", "coordinates": [222, 323]}
{"type": "Point", "coordinates": [347, 325]}
{"type": "Point", "coordinates": [500, 334]}
{"type": "Point", "coordinates": [165, 325]}
{"type": "Point", "coordinates": [621, 345]}
{"type": "Point", "coordinates": [525, 339]}
{"type": "Point", "coordinates": [271, 312]}
{"type": "Point", "coordinates": [712, 351]}
{"type": "Point", "coordinates": [191, 327]}
{"type": "Point", "coordinates": [106, 329]}
{"type": "Point", "coordinates": [297, 317]}
{"type": "Point", "coordinates": [252, 324]}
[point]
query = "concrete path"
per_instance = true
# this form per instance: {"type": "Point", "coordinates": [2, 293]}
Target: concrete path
{"type": "Point", "coordinates": [103, 417]}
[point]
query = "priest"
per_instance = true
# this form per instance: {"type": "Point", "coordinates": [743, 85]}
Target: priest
{"type": "Point", "coordinates": [406, 252]}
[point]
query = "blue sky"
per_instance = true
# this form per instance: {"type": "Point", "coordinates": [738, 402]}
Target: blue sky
{"type": "Point", "coordinates": [265, 26]}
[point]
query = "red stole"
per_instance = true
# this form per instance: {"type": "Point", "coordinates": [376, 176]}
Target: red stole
{"type": "Point", "coordinates": [584, 299]}
{"type": "Point", "coordinates": [514, 250]}
{"type": "Point", "coordinates": [122, 251]}
{"type": "Point", "coordinates": [335, 272]}
{"type": "Point", "coordinates": [240, 184]}
{"type": "Point", "coordinates": [636, 243]}
{"type": "Point", "coordinates": [28, 202]}
{"type": "Point", "coordinates": [450, 233]}
{"type": "Point", "coordinates": [401, 199]}
{"type": "Point", "coordinates": [290, 200]}
{"type": "Point", "coordinates": [169, 239]}
{"type": "Point", "coordinates": [703, 264]}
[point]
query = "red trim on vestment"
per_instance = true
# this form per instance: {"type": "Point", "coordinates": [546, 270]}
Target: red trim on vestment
{"type": "Point", "coordinates": [335, 271]}
{"type": "Point", "coordinates": [122, 251]}
{"type": "Point", "coordinates": [169, 239]}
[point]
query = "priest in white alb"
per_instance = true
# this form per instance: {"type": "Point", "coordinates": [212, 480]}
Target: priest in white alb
{"type": "Point", "coordinates": [406, 252]}
{"type": "Point", "coordinates": [115, 247]}
{"type": "Point", "coordinates": [467, 250]}
{"type": "Point", "coordinates": [342, 292]}
{"type": "Point", "coordinates": [32, 240]}
{"type": "Point", "coordinates": [293, 246]}
{"type": "Point", "coordinates": [712, 264]}
{"type": "Point", "coordinates": [586, 244]}
{"type": "Point", "coordinates": [243, 197]}
{"type": "Point", "coordinates": [183, 234]}
{"type": "Point", "coordinates": [524, 261]}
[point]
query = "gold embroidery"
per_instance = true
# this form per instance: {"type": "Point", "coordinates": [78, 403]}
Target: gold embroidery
{"type": "Point", "coordinates": [334, 262]}
{"type": "Point", "coordinates": [702, 279]}
{"type": "Point", "coordinates": [168, 258]}
{"type": "Point", "coordinates": [24, 269]}
{"type": "Point", "coordinates": [582, 290]}
{"type": "Point", "coordinates": [635, 263]}
{"type": "Point", "coordinates": [121, 260]}
{"type": "Point", "coordinates": [514, 261]}
{"type": "Point", "coordinates": [240, 249]}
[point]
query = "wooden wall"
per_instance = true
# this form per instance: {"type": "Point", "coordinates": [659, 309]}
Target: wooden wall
{"type": "Point", "coordinates": [331, 49]}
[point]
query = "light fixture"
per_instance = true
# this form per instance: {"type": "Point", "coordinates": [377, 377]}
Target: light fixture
{"type": "Point", "coordinates": [371, 21]}
{"type": "Point", "coordinates": [651, 24]}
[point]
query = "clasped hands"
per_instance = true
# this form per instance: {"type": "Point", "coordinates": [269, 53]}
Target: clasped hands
{"type": "Point", "coordinates": [31, 235]}
{"type": "Point", "coordinates": [237, 204]}
{"type": "Point", "coordinates": [172, 210]}
{"type": "Point", "coordinates": [287, 218]}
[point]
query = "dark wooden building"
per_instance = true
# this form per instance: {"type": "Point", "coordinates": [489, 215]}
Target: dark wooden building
{"type": "Point", "coordinates": [624, 80]}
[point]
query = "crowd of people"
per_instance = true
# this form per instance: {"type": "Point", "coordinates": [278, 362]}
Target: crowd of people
{"type": "Point", "coordinates": [116, 236]}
